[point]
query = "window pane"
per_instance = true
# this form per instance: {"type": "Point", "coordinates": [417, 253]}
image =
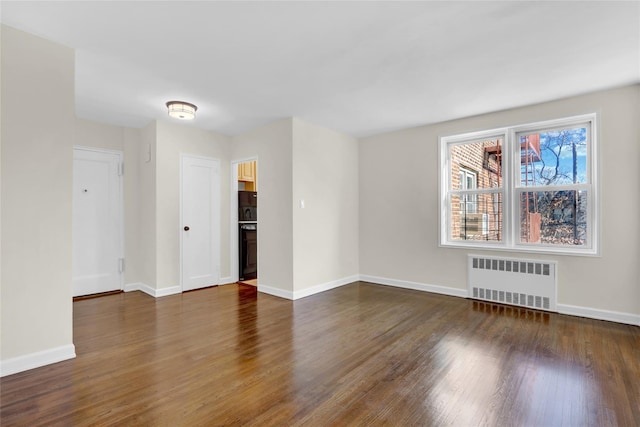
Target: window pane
{"type": "Point", "coordinates": [477, 163]}
{"type": "Point", "coordinates": [467, 179]}
{"type": "Point", "coordinates": [554, 217]}
{"type": "Point", "coordinates": [553, 157]}
{"type": "Point", "coordinates": [469, 203]}
{"type": "Point", "coordinates": [471, 182]}
{"type": "Point", "coordinates": [477, 220]}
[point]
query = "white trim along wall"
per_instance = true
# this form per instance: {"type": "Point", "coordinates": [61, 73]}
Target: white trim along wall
{"type": "Point", "coordinates": [592, 313]}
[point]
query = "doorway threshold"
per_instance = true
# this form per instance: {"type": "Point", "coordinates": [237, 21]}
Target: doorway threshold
{"type": "Point", "coordinates": [98, 295]}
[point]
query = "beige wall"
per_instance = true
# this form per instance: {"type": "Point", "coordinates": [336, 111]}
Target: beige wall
{"type": "Point", "coordinates": [271, 144]}
{"type": "Point", "coordinates": [172, 140]}
{"type": "Point", "coordinates": [98, 135]}
{"type": "Point", "coordinates": [299, 249]}
{"type": "Point", "coordinates": [399, 203]}
{"type": "Point", "coordinates": [37, 160]}
{"type": "Point", "coordinates": [146, 188]}
{"type": "Point", "coordinates": [325, 232]}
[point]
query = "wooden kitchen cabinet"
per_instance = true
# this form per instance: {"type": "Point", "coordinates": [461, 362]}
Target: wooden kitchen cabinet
{"type": "Point", "coordinates": [247, 171]}
{"type": "Point", "coordinates": [247, 174]}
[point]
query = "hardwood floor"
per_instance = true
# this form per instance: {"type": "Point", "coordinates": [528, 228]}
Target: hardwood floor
{"type": "Point", "coordinates": [251, 282]}
{"type": "Point", "coordinates": [361, 354]}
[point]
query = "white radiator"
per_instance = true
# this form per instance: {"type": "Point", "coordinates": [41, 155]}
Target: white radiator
{"type": "Point", "coordinates": [521, 282]}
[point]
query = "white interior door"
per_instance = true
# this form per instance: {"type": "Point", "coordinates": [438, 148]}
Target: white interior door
{"type": "Point", "coordinates": [97, 221]}
{"type": "Point", "coordinates": [200, 222]}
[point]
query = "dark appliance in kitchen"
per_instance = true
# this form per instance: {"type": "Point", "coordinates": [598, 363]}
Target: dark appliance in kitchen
{"type": "Point", "coordinates": [247, 206]}
{"type": "Point", "coordinates": [248, 235]}
{"type": "Point", "coordinates": [248, 251]}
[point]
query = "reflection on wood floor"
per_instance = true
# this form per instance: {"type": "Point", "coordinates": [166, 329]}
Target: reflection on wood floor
{"type": "Point", "coordinates": [251, 282]}
{"type": "Point", "coordinates": [361, 354]}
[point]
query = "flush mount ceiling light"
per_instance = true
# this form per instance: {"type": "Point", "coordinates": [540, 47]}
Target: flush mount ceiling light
{"type": "Point", "coordinates": [182, 110]}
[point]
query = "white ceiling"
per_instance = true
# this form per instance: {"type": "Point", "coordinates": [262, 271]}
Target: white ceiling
{"type": "Point", "coordinates": [357, 67]}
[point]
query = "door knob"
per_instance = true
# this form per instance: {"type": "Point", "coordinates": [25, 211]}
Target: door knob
{"type": "Point", "coordinates": [186, 228]}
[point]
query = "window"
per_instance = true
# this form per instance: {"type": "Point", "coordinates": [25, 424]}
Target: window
{"type": "Point", "coordinates": [530, 188]}
{"type": "Point", "coordinates": [468, 181]}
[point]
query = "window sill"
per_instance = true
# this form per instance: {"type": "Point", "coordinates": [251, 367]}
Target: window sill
{"type": "Point", "coordinates": [521, 249]}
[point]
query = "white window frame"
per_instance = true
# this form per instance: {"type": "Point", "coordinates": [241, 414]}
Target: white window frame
{"type": "Point", "coordinates": [472, 198]}
{"type": "Point", "coordinates": [512, 188]}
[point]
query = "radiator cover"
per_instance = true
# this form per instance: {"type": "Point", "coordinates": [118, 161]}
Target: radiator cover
{"type": "Point", "coordinates": [520, 282]}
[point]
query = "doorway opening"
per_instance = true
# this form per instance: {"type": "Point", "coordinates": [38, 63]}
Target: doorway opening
{"type": "Point", "coordinates": [245, 221]}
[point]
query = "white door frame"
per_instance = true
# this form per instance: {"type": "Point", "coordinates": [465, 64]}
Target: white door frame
{"type": "Point", "coordinates": [181, 223]}
{"type": "Point", "coordinates": [120, 201]}
{"type": "Point", "coordinates": [233, 217]}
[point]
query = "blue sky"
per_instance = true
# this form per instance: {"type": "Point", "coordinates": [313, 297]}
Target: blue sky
{"type": "Point", "coordinates": [552, 142]}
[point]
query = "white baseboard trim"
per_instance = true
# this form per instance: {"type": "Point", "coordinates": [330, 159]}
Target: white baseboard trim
{"type": "Point", "coordinates": [595, 313]}
{"type": "Point", "coordinates": [139, 286]}
{"type": "Point", "coordinates": [156, 293]}
{"type": "Point", "coordinates": [37, 359]}
{"type": "Point", "coordinates": [281, 293]}
{"type": "Point", "coordinates": [130, 287]}
{"type": "Point", "coordinates": [276, 292]}
{"type": "Point", "coordinates": [226, 280]}
{"type": "Point", "coordinates": [172, 290]}
{"type": "Point", "coordinates": [591, 313]}
{"type": "Point", "coordinates": [444, 290]}
{"type": "Point", "coordinates": [324, 287]}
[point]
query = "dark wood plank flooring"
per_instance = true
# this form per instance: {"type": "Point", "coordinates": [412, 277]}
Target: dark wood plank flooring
{"type": "Point", "coordinates": [361, 354]}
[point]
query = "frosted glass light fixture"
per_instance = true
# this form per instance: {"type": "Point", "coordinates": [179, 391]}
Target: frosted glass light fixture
{"type": "Point", "coordinates": [182, 110]}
